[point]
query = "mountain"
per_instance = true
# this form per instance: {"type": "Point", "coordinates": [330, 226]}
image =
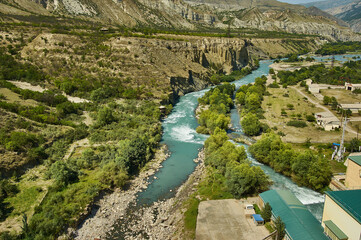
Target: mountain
{"type": "Point", "coordinates": [350, 13]}
{"type": "Point", "coordinates": [346, 10]}
{"type": "Point", "coordinates": [328, 4]}
{"type": "Point", "coordinates": [204, 15]}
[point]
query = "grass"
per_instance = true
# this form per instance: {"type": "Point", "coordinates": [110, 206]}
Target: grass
{"type": "Point", "coordinates": [24, 200]}
{"type": "Point", "coordinates": [12, 97]}
{"type": "Point", "coordinates": [256, 209]}
{"type": "Point", "coordinates": [342, 95]}
{"type": "Point", "coordinates": [337, 167]}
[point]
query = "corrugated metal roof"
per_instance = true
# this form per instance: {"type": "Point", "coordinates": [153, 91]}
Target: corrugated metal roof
{"type": "Point", "coordinates": [257, 217]}
{"type": "Point", "coordinates": [299, 221]}
{"type": "Point", "coordinates": [335, 230]}
{"type": "Point", "coordinates": [349, 200]}
{"type": "Point", "coordinates": [356, 159]}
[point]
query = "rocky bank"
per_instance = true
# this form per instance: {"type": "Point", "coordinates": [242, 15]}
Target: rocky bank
{"type": "Point", "coordinates": [117, 214]}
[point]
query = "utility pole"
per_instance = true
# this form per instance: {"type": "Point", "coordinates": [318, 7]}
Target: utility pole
{"type": "Point", "coordinates": [340, 152]}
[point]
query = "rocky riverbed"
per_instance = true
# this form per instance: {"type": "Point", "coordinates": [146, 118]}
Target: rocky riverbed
{"type": "Point", "coordinates": [118, 215]}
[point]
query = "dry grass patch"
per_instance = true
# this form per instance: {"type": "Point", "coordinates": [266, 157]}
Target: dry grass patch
{"type": "Point", "coordinates": [278, 112]}
{"type": "Point", "coordinates": [342, 95]}
{"type": "Point", "coordinates": [12, 97]}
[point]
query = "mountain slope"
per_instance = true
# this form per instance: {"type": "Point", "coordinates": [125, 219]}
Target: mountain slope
{"type": "Point", "coordinates": [350, 13]}
{"type": "Point", "coordinates": [269, 15]}
{"type": "Point", "coordinates": [328, 4]}
{"type": "Point", "coordinates": [346, 10]}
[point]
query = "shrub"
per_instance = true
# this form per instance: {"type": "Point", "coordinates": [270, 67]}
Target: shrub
{"type": "Point", "coordinates": [297, 123]}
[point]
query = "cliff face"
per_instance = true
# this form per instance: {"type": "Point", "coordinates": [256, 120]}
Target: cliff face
{"type": "Point", "coordinates": [210, 55]}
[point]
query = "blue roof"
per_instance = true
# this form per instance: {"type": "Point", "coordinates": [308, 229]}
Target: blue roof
{"type": "Point", "coordinates": [257, 217]}
{"type": "Point", "coordinates": [299, 221]}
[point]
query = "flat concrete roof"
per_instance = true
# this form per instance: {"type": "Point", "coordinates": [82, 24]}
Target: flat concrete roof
{"type": "Point", "coordinates": [226, 220]}
{"type": "Point", "coordinates": [350, 105]}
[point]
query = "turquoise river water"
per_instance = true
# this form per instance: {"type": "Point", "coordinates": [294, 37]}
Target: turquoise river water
{"type": "Point", "coordinates": [184, 143]}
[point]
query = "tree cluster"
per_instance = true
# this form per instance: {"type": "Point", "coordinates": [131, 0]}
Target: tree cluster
{"type": "Point", "coordinates": [339, 48]}
{"type": "Point", "coordinates": [249, 98]}
{"type": "Point", "coordinates": [350, 72]}
{"type": "Point", "coordinates": [219, 102]}
{"type": "Point", "coordinates": [241, 178]}
{"type": "Point", "coordinates": [306, 168]}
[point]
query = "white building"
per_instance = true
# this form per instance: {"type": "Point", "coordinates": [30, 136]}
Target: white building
{"type": "Point", "coordinates": [327, 121]}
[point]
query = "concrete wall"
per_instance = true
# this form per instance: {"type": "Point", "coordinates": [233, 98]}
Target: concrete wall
{"type": "Point", "coordinates": [349, 225]}
{"type": "Point", "coordinates": [353, 180]}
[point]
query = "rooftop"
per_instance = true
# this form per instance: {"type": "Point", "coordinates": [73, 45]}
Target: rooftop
{"type": "Point", "coordinates": [299, 221]}
{"type": "Point", "coordinates": [356, 159]}
{"type": "Point", "coordinates": [349, 200]}
{"type": "Point", "coordinates": [350, 105]}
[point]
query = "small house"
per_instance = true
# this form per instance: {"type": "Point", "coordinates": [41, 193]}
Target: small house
{"type": "Point", "coordinates": [351, 86]}
{"type": "Point", "coordinates": [327, 121]}
{"type": "Point", "coordinates": [353, 107]}
{"type": "Point", "coordinates": [341, 217]}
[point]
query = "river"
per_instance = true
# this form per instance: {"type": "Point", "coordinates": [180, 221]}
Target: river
{"type": "Point", "coordinates": [184, 143]}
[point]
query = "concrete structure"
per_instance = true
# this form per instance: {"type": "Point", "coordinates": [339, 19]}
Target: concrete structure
{"type": "Point", "coordinates": [327, 121]}
{"type": "Point", "coordinates": [342, 215]}
{"type": "Point", "coordinates": [353, 173]}
{"type": "Point", "coordinates": [354, 107]}
{"type": "Point", "coordinates": [299, 221]}
{"type": "Point", "coordinates": [226, 220]}
{"type": "Point", "coordinates": [351, 86]}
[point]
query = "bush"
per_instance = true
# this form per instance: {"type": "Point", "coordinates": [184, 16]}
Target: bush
{"type": "Point", "coordinates": [297, 123]}
{"type": "Point", "coordinates": [251, 124]}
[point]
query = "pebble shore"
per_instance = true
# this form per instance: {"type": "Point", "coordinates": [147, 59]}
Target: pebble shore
{"type": "Point", "coordinates": [161, 220]}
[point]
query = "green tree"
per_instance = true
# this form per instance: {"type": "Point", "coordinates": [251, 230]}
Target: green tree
{"type": "Point", "coordinates": [243, 179]}
{"type": "Point", "coordinates": [251, 124]}
{"type": "Point", "coordinates": [280, 228]}
{"type": "Point", "coordinates": [267, 212]}
{"type": "Point", "coordinates": [252, 102]}
{"type": "Point", "coordinates": [354, 145]}
{"type": "Point", "coordinates": [105, 116]}
{"type": "Point", "coordinates": [63, 174]}
{"type": "Point", "coordinates": [326, 100]}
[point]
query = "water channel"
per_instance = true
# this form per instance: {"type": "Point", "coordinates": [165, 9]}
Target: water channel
{"type": "Point", "coordinates": [184, 144]}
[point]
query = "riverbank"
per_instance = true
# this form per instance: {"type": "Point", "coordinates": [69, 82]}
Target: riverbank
{"type": "Point", "coordinates": [161, 220]}
{"type": "Point", "coordinates": [165, 219]}
{"type": "Point", "coordinates": [106, 211]}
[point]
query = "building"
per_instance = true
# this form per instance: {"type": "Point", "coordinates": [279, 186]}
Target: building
{"type": "Point", "coordinates": [327, 121]}
{"type": "Point", "coordinates": [354, 107]}
{"type": "Point", "coordinates": [299, 221]}
{"type": "Point", "coordinates": [351, 86]}
{"type": "Point", "coordinates": [353, 172]}
{"type": "Point", "coordinates": [342, 215]}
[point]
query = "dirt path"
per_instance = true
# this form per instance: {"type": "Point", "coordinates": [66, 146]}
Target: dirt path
{"type": "Point", "coordinates": [81, 143]}
{"type": "Point", "coordinates": [317, 104]}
